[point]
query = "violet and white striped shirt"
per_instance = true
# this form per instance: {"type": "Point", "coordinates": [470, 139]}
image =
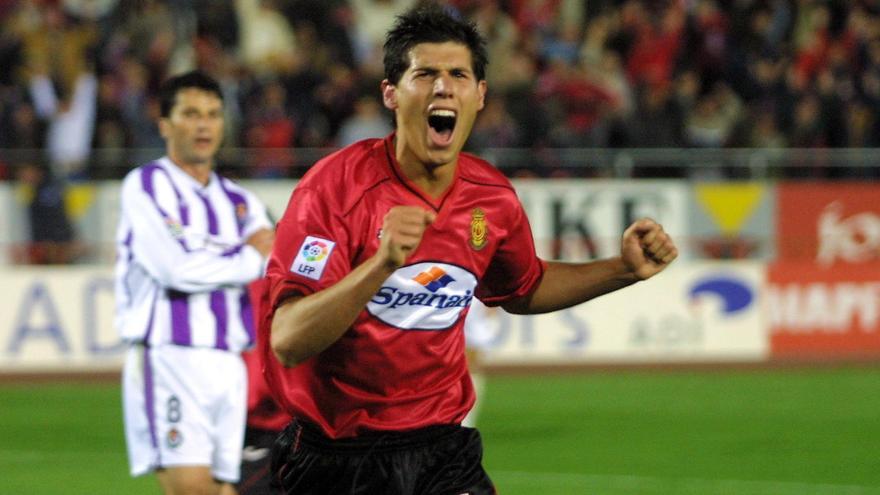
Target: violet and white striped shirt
{"type": "Point", "coordinates": [182, 263]}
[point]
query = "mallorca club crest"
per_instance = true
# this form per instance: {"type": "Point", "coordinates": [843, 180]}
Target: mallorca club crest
{"type": "Point", "coordinates": [479, 229]}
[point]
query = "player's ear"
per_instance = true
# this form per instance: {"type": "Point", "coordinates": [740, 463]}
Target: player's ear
{"type": "Point", "coordinates": [164, 129]}
{"type": "Point", "coordinates": [389, 95]}
{"type": "Point", "coordinates": [481, 88]}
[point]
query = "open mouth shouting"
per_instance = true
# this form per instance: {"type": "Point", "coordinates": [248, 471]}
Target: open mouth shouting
{"type": "Point", "coordinates": [441, 123]}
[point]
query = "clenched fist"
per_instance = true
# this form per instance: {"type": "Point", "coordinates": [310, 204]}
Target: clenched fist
{"type": "Point", "coordinates": [646, 248]}
{"type": "Point", "coordinates": [402, 231]}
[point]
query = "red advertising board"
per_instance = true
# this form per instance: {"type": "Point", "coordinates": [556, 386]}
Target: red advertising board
{"type": "Point", "coordinates": [823, 312]}
{"type": "Point", "coordinates": [828, 223]}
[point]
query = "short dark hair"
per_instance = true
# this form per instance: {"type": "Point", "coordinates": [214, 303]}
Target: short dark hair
{"type": "Point", "coordinates": [431, 23]}
{"type": "Point", "coordinates": [193, 79]}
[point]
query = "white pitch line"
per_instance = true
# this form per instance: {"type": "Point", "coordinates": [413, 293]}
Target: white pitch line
{"type": "Point", "coordinates": [663, 485]}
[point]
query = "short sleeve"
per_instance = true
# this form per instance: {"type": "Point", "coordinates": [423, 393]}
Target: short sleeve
{"type": "Point", "coordinates": [311, 250]}
{"type": "Point", "coordinates": [515, 270]}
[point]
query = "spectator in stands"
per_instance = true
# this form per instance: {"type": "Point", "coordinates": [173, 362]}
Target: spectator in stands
{"type": "Point", "coordinates": [372, 18]}
{"type": "Point", "coordinates": [833, 102]}
{"type": "Point", "coordinates": [763, 131]}
{"type": "Point", "coordinates": [563, 44]}
{"type": "Point", "coordinates": [808, 130]}
{"type": "Point", "coordinates": [859, 120]}
{"type": "Point", "coordinates": [708, 35]}
{"type": "Point", "coordinates": [502, 38]}
{"type": "Point", "coordinates": [521, 100]}
{"type": "Point", "coordinates": [110, 139]}
{"type": "Point", "coordinates": [771, 54]}
{"type": "Point", "coordinates": [368, 121]}
{"type": "Point", "coordinates": [657, 40]}
{"type": "Point", "coordinates": [271, 132]}
{"type": "Point", "coordinates": [267, 42]}
{"type": "Point", "coordinates": [70, 121]}
{"type": "Point", "coordinates": [711, 122]}
{"type": "Point", "coordinates": [52, 239]}
{"type": "Point", "coordinates": [657, 121]}
{"type": "Point", "coordinates": [20, 128]}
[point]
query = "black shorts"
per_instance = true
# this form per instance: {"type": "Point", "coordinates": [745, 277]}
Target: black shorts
{"type": "Point", "coordinates": [438, 460]}
{"type": "Point", "coordinates": [255, 477]}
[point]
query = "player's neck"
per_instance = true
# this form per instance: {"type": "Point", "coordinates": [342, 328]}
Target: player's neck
{"type": "Point", "coordinates": [201, 171]}
{"type": "Point", "coordinates": [433, 180]}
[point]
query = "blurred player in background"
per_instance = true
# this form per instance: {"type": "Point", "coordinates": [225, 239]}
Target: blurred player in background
{"type": "Point", "coordinates": [188, 242]}
{"type": "Point", "coordinates": [383, 247]}
{"type": "Point", "coordinates": [265, 419]}
{"type": "Point", "coordinates": [480, 327]}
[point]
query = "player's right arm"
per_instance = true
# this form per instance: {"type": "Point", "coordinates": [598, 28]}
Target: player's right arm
{"type": "Point", "coordinates": [646, 250]}
{"type": "Point", "coordinates": [306, 325]}
{"type": "Point", "coordinates": [158, 242]}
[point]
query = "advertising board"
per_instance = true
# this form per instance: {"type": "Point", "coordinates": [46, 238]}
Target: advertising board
{"type": "Point", "coordinates": [829, 223]}
{"type": "Point", "coordinates": [693, 312]}
{"type": "Point", "coordinates": [816, 312]}
{"type": "Point", "coordinates": [58, 319]}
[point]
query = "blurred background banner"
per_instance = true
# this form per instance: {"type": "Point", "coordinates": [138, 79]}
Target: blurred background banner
{"type": "Point", "coordinates": [732, 220]}
{"type": "Point", "coordinates": [768, 271]}
{"type": "Point", "coordinates": [824, 287]}
{"type": "Point", "coordinates": [11, 213]}
{"type": "Point", "coordinates": [58, 319]}
{"type": "Point", "coordinates": [577, 220]}
{"type": "Point", "coordinates": [698, 312]}
{"type": "Point", "coordinates": [830, 223]}
{"type": "Point", "coordinates": [823, 312]}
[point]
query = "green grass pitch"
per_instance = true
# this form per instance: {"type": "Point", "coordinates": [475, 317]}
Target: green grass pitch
{"type": "Point", "coordinates": [768, 432]}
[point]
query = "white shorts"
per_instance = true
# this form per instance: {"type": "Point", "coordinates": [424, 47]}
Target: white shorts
{"type": "Point", "coordinates": [184, 406]}
{"type": "Point", "coordinates": [481, 326]}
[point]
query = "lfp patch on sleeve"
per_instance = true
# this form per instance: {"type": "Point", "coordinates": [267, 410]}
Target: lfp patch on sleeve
{"type": "Point", "coordinates": [312, 257]}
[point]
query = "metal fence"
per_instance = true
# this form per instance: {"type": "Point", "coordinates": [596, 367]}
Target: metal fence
{"type": "Point", "coordinates": [688, 163]}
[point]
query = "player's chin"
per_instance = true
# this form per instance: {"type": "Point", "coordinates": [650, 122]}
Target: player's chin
{"type": "Point", "coordinates": [438, 159]}
{"type": "Point", "coordinates": [204, 154]}
{"type": "Point", "coordinates": [442, 154]}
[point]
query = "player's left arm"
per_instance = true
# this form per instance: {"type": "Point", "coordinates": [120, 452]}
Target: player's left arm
{"type": "Point", "coordinates": [646, 250]}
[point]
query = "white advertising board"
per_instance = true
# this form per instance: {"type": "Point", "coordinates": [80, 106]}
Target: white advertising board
{"type": "Point", "coordinates": [579, 220]}
{"type": "Point", "coordinates": [693, 312]}
{"type": "Point", "coordinates": [7, 236]}
{"type": "Point", "coordinates": [58, 319]}
{"type": "Point", "coordinates": [61, 319]}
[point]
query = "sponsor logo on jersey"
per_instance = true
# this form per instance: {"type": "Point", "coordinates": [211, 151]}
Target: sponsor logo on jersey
{"type": "Point", "coordinates": [312, 257]}
{"type": "Point", "coordinates": [434, 279]}
{"type": "Point", "coordinates": [479, 229]}
{"type": "Point", "coordinates": [424, 296]}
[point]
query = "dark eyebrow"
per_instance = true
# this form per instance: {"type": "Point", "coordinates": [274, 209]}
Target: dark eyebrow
{"type": "Point", "coordinates": [434, 70]}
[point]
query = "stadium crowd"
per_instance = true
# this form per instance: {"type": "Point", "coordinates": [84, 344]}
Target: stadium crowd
{"type": "Point", "coordinates": [79, 77]}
